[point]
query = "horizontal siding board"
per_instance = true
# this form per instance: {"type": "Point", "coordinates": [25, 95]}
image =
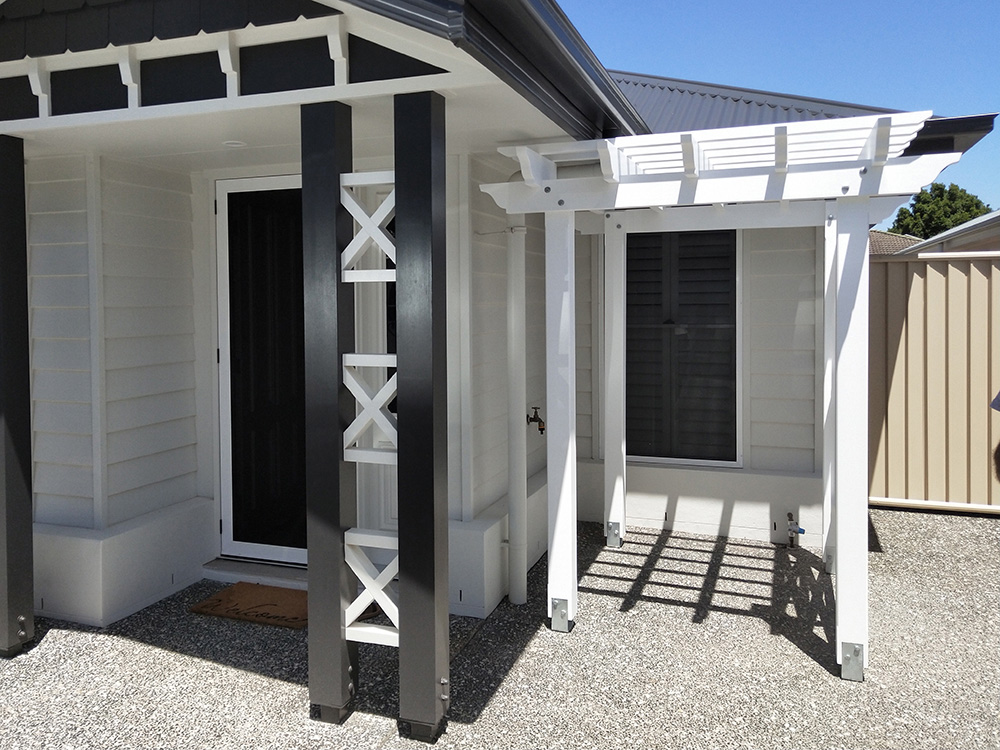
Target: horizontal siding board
{"type": "Point", "coordinates": [60, 323]}
{"type": "Point", "coordinates": [771, 362]}
{"type": "Point", "coordinates": [59, 479]}
{"type": "Point", "coordinates": [60, 354]}
{"type": "Point", "coordinates": [114, 170]}
{"type": "Point", "coordinates": [63, 448]}
{"type": "Point", "coordinates": [59, 260]}
{"type": "Point", "coordinates": [783, 435]}
{"type": "Point", "coordinates": [125, 260]}
{"type": "Point", "coordinates": [138, 202]}
{"type": "Point", "coordinates": [127, 322]}
{"type": "Point", "coordinates": [60, 291]}
{"type": "Point", "coordinates": [784, 411]}
{"type": "Point", "coordinates": [150, 439]}
{"type": "Point", "coordinates": [147, 292]}
{"type": "Point", "coordinates": [61, 416]}
{"type": "Point", "coordinates": [151, 350]}
{"type": "Point", "coordinates": [146, 381]}
{"type": "Point", "coordinates": [147, 498]}
{"type": "Point", "coordinates": [148, 470]}
{"type": "Point", "coordinates": [53, 197]}
{"type": "Point", "coordinates": [783, 459]}
{"type": "Point", "coordinates": [162, 234]}
{"type": "Point", "coordinates": [785, 286]}
{"type": "Point", "coordinates": [64, 511]}
{"type": "Point", "coordinates": [57, 229]}
{"type": "Point", "coordinates": [61, 385]}
{"type": "Point", "coordinates": [801, 337]}
{"type": "Point", "coordinates": [158, 407]}
{"type": "Point", "coordinates": [56, 168]}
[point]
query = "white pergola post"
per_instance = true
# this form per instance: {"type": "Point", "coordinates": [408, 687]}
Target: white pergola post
{"type": "Point", "coordinates": [850, 428]}
{"type": "Point", "coordinates": [560, 390]}
{"type": "Point", "coordinates": [517, 439]}
{"type": "Point", "coordinates": [614, 380]}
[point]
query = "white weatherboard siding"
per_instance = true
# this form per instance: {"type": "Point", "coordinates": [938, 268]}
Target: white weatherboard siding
{"type": "Point", "coordinates": [489, 338]}
{"type": "Point", "coordinates": [585, 342]}
{"type": "Point", "coordinates": [118, 524]}
{"type": "Point", "coordinates": [59, 299]}
{"type": "Point", "coordinates": [780, 303]}
{"type": "Point", "coordinates": [781, 335]}
{"type": "Point", "coordinates": [149, 325]}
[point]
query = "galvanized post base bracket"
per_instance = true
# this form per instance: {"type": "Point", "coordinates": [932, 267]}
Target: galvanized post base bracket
{"type": "Point", "coordinates": [560, 616]}
{"type": "Point", "coordinates": [852, 665]}
{"type": "Point", "coordinates": [614, 534]}
{"type": "Point", "coordinates": [330, 714]}
{"type": "Point", "coordinates": [422, 732]}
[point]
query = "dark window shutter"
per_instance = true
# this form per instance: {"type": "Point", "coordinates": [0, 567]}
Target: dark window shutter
{"type": "Point", "coordinates": [681, 345]}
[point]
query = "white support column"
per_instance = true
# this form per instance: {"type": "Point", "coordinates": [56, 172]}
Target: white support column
{"type": "Point", "coordinates": [517, 400]}
{"type": "Point", "coordinates": [560, 389]}
{"type": "Point", "coordinates": [829, 297]}
{"type": "Point", "coordinates": [614, 380]}
{"type": "Point", "coordinates": [850, 466]}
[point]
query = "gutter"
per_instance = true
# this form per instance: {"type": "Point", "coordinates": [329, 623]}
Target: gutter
{"type": "Point", "coordinates": [527, 44]}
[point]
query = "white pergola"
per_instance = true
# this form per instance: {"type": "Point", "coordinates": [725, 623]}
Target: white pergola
{"type": "Point", "coordinates": [841, 174]}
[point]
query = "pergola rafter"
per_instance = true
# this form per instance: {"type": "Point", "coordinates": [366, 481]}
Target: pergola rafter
{"type": "Point", "coordinates": [841, 175]}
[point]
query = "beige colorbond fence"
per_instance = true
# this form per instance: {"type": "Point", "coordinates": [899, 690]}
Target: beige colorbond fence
{"type": "Point", "coordinates": [935, 366]}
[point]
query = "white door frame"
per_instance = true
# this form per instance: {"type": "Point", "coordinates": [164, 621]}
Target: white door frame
{"type": "Point", "coordinates": [223, 188]}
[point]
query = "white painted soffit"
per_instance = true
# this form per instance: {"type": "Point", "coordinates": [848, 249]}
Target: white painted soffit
{"type": "Point", "coordinates": [837, 158]}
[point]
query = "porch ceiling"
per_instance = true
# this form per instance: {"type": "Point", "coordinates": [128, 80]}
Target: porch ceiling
{"type": "Point", "coordinates": [479, 119]}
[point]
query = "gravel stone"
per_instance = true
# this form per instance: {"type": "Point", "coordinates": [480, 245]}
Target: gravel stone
{"type": "Point", "coordinates": [681, 641]}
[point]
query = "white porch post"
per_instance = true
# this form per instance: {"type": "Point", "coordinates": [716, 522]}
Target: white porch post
{"type": "Point", "coordinates": [517, 439]}
{"type": "Point", "coordinates": [560, 389]}
{"type": "Point", "coordinates": [614, 380]}
{"type": "Point", "coordinates": [850, 425]}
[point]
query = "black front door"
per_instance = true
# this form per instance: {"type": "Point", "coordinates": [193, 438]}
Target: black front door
{"type": "Point", "coordinates": [266, 365]}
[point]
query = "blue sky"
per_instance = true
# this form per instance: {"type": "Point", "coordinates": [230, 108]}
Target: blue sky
{"type": "Point", "coordinates": [924, 54]}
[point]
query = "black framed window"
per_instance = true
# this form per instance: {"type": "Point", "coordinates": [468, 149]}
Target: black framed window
{"type": "Point", "coordinates": [680, 345]}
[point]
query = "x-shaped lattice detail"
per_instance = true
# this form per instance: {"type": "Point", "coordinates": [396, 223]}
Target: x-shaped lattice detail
{"type": "Point", "coordinates": [375, 583]}
{"type": "Point", "coordinates": [374, 407]}
{"type": "Point", "coordinates": [371, 227]}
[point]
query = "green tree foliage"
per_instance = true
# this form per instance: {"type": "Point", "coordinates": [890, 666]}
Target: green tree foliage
{"type": "Point", "coordinates": [936, 209]}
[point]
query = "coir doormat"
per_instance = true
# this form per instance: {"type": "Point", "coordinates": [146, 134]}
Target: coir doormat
{"type": "Point", "coordinates": [255, 602]}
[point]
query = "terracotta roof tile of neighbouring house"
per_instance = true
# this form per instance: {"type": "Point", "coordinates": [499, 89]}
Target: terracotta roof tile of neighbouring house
{"type": "Point", "coordinates": [37, 28]}
{"type": "Point", "coordinates": [889, 243]}
{"type": "Point", "coordinates": [670, 105]}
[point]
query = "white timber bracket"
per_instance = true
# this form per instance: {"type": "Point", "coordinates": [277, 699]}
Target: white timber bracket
{"type": "Point", "coordinates": [337, 40]}
{"type": "Point", "coordinates": [229, 61]}
{"type": "Point", "coordinates": [128, 65]}
{"type": "Point", "coordinates": [38, 78]}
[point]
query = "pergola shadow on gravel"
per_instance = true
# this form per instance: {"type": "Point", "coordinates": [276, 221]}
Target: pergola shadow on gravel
{"type": "Point", "coordinates": [785, 588]}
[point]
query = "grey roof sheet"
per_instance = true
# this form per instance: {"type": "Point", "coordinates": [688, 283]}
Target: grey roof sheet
{"type": "Point", "coordinates": [671, 105]}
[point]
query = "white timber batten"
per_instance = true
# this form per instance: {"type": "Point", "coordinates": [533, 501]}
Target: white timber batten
{"type": "Point", "coordinates": [842, 175]}
{"type": "Point", "coordinates": [560, 392]}
{"type": "Point", "coordinates": [614, 379]}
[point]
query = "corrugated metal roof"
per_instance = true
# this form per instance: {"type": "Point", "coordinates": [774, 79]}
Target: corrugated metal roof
{"type": "Point", "coordinates": [670, 105]}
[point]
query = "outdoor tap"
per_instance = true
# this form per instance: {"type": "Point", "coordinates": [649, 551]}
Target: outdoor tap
{"type": "Point", "coordinates": [537, 419]}
{"type": "Point", "coordinates": [793, 531]}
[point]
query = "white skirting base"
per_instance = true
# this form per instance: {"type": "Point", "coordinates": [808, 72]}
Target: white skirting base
{"type": "Point", "coordinates": [96, 577]}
